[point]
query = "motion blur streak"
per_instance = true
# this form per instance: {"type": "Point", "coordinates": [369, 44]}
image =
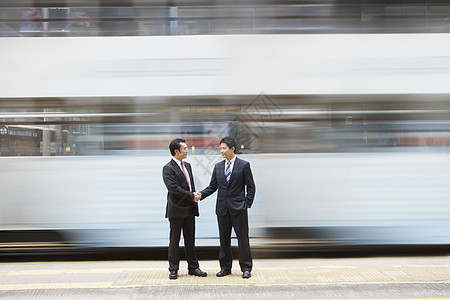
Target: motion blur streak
{"type": "Point", "coordinates": [342, 110]}
{"type": "Point", "coordinates": [226, 65]}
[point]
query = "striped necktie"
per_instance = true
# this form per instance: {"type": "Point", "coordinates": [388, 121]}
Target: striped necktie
{"type": "Point", "coordinates": [228, 171]}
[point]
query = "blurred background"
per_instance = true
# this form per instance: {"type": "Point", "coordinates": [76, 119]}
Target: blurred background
{"type": "Point", "coordinates": [341, 107]}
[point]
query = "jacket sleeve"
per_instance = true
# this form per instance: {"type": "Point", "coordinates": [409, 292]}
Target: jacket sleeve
{"type": "Point", "coordinates": [249, 182]}
{"type": "Point", "coordinates": [170, 180]}
{"type": "Point", "coordinates": [212, 185]}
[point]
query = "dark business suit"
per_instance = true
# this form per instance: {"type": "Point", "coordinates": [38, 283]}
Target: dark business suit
{"type": "Point", "coordinates": [181, 211]}
{"type": "Point", "coordinates": [231, 210]}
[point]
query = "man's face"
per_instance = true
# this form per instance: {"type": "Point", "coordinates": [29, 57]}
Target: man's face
{"type": "Point", "coordinates": [182, 152]}
{"type": "Point", "coordinates": [226, 152]}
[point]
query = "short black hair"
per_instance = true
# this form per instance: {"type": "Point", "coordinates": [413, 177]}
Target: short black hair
{"type": "Point", "coordinates": [231, 142]}
{"type": "Point", "coordinates": [175, 145]}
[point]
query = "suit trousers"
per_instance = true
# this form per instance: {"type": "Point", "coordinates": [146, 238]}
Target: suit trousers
{"type": "Point", "coordinates": [240, 224]}
{"type": "Point", "coordinates": [188, 226]}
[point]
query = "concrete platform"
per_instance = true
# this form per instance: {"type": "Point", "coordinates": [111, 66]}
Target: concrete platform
{"type": "Point", "coordinates": [128, 274]}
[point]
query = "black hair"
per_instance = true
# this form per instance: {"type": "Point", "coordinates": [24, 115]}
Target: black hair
{"type": "Point", "coordinates": [231, 142]}
{"type": "Point", "coordinates": [175, 145]}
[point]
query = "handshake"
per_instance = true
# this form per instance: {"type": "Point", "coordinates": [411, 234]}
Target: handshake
{"type": "Point", "coordinates": [197, 196]}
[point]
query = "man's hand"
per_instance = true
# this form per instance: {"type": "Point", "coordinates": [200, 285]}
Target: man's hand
{"type": "Point", "coordinates": [197, 196]}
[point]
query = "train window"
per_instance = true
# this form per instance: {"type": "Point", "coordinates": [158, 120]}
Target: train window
{"type": "Point", "coordinates": [288, 124]}
{"type": "Point", "coordinates": [207, 17]}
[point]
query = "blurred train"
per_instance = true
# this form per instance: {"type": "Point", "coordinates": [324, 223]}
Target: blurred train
{"type": "Point", "coordinates": [348, 136]}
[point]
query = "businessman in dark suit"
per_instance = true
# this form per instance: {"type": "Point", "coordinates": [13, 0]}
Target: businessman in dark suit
{"type": "Point", "coordinates": [181, 209]}
{"type": "Point", "coordinates": [231, 177]}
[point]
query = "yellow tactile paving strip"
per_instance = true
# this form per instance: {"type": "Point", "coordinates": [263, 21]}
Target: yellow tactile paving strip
{"type": "Point", "coordinates": [291, 276]}
{"type": "Point", "coordinates": [106, 278]}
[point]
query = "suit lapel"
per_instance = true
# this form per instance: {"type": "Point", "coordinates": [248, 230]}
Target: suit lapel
{"type": "Point", "coordinates": [221, 175]}
{"type": "Point", "coordinates": [235, 169]}
{"type": "Point", "coordinates": [179, 171]}
{"type": "Point", "coordinates": [191, 175]}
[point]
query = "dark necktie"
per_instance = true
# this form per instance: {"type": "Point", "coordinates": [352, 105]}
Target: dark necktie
{"type": "Point", "coordinates": [228, 171]}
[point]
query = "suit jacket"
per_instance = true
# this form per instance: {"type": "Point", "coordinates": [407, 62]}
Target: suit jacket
{"type": "Point", "coordinates": [180, 201]}
{"type": "Point", "coordinates": [232, 196]}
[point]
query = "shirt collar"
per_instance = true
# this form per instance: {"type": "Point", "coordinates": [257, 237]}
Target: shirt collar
{"type": "Point", "coordinates": [177, 161]}
{"type": "Point", "coordinates": [232, 160]}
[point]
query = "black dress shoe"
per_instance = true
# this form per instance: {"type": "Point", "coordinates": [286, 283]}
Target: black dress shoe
{"type": "Point", "coordinates": [197, 272]}
{"type": "Point", "coordinates": [173, 275]}
{"type": "Point", "coordinates": [223, 272]}
{"type": "Point", "coordinates": [246, 274]}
